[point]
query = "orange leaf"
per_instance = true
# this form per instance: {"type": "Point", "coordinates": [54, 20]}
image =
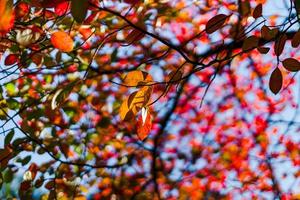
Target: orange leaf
{"type": "Point", "coordinates": [144, 127]}
{"type": "Point", "coordinates": [134, 103]}
{"type": "Point", "coordinates": [62, 41]}
{"type": "Point", "coordinates": [136, 78]}
{"type": "Point", "coordinates": [7, 16]}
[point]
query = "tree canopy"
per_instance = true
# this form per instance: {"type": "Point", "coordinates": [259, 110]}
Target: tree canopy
{"type": "Point", "coordinates": [144, 99]}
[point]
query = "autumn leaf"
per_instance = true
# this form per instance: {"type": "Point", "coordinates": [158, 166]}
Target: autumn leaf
{"type": "Point", "coordinates": [215, 23]}
{"type": "Point", "coordinates": [279, 45]}
{"type": "Point", "coordinates": [5, 155]}
{"type": "Point", "coordinates": [11, 59]}
{"type": "Point", "coordinates": [132, 2]}
{"type": "Point", "coordinates": [257, 12]}
{"type": "Point", "coordinates": [45, 3]}
{"type": "Point", "coordinates": [263, 50]}
{"type": "Point", "coordinates": [131, 105]}
{"type": "Point", "coordinates": [275, 82]}
{"type": "Point", "coordinates": [250, 43]}
{"type": "Point", "coordinates": [296, 40]}
{"type": "Point", "coordinates": [7, 16]}
{"type": "Point", "coordinates": [61, 8]}
{"type": "Point", "coordinates": [62, 41]}
{"type": "Point", "coordinates": [267, 33]}
{"type": "Point", "coordinates": [136, 78]}
{"type": "Point", "coordinates": [291, 64]}
{"type": "Point", "coordinates": [79, 9]}
{"type": "Point", "coordinates": [144, 124]}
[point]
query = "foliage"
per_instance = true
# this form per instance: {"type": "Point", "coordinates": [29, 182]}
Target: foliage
{"type": "Point", "coordinates": [149, 99]}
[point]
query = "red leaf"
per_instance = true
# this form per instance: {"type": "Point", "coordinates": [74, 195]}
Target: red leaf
{"type": "Point", "coordinates": [132, 2]}
{"type": "Point", "coordinates": [61, 8]}
{"type": "Point", "coordinates": [144, 128]}
{"type": "Point", "coordinates": [11, 59]}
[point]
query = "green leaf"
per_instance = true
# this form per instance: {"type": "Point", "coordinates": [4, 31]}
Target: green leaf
{"type": "Point", "coordinates": [13, 104]}
{"type": "Point", "coordinates": [10, 88]}
{"type": "Point", "coordinates": [8, 176]}
{"type": "Point", "coordinates": [26, 160]}
{"type": "Point", "coordinates": [79, 9]}
{"type": "Point", "coordinates": [9, 137]}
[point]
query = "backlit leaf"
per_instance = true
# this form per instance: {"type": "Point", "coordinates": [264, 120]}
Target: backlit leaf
{"type": "Point", "coordinates": [7, 16]}
{"type": "Point", "coordinates": [131, 105]}
{"type": "Point", "coordinates": [11, 59]}
{"type": "Point", "coordinates": [136, 78]}
{"type": "Point", "coordinates": [62, 41]}
{"type": "Point", "coordinates": [134, 36]}
{"type": "Point", "coordinates": [144, 126]}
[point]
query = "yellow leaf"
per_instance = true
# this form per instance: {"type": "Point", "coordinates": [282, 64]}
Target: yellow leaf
{"type": "Point", "coordinates": [132, 104]}
{"type": "Point", "coordinates": [136, 78]}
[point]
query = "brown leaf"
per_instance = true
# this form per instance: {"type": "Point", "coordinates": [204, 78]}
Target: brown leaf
{"type": "Point", "coordinates": [296, 40]}
{"type": "Point", "coordinates": [134, 36]}
{"type": "Point", "coordinates": [25, 185]}
{"type": "Point", "coordinates": [5, 155]}
{"type": "Point", "coordinates": [245, 8]}
{"type": "Point", "coordinates": [174, 76]}
{"type": "Point", "coordinates": [275, 83]}
{"type": "Point", "coordinates": [79, 9]}
{"type": "Point", "coordinates": [250, 43]}
{"type": "Point", "coordinates": [257, 12]}
{"type": "Point", "coordinates": [263, 50]}
{"type": "Point", "coordinates": [50, 185]}
{"type": "Point", "coordinates": [215, 23]}
{"type": "Point", "coordinates": [267, 33]}
{"type": "Point", "coordinates": [279, 44]}
{"type": "Point", "coordinates": [291, 64]}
